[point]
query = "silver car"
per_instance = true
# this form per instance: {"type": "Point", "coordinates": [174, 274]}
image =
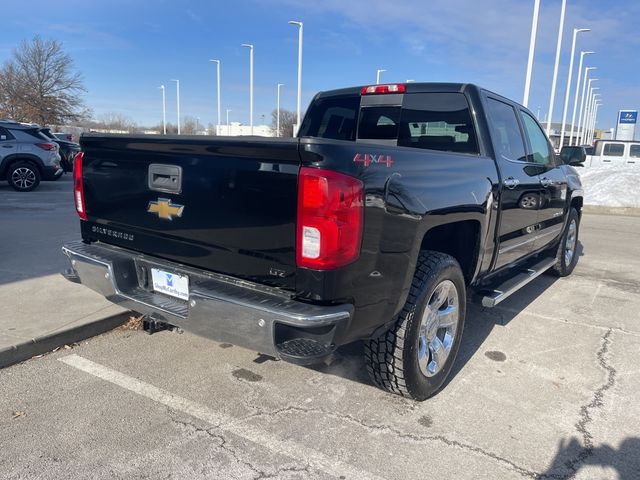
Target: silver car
{"type": "Point", "coordinates": [27, 156]}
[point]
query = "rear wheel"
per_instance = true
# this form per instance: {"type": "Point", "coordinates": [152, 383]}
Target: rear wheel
{"type": "Point", "coordinates": [23, 176]}
{"type": "Point", "coordinates": [415, 356]}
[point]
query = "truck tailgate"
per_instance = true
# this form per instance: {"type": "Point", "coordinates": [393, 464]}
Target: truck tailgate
{"type": "Point", "coordinates": [222, 204]}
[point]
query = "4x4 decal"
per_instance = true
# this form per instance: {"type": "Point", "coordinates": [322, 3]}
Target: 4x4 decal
{"type": "Point", "coordinates": [369, 158]}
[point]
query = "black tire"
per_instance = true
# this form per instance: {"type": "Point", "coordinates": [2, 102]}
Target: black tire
{"type": "Point", "coordinates": [392, 358]}
{"type": "Point", "coordinates": [568, 243]}
{"type": "Point", "coordinates": [23, 176]}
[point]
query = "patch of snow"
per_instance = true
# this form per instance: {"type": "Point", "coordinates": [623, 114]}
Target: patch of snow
{"type": "Point", "coordinates": [611, 186]}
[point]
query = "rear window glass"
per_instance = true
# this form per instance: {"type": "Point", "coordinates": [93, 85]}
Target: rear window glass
{"type": "Point", "coordinates": [379, 123]}
{"type": "Point", "coordinates": [332, 117]}
{"type": "Point", "coordinates": [614, 149]}
{"type": "Point", "coordinates": [437, 121]}
{"type": "Point", "coordinates": [635, 151]}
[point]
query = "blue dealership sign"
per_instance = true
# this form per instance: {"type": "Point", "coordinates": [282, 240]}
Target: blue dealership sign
{"type": "Point", "coordinates": [628, 116]}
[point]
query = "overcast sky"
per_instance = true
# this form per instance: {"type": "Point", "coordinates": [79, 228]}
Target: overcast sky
{"type": "Point", "coordinates": [126, 49]}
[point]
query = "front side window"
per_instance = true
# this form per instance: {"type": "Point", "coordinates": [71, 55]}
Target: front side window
{"type": "Point", "coordinates": [635, 151]}
{"type": "Point", "coordinates": [540, 151]}
{"type": "Point", "coordinates": [507, 137]}
{"type": "Point", "coordinates": [5, 135]}
{"type": "Point", "coordinates": [613, 150]}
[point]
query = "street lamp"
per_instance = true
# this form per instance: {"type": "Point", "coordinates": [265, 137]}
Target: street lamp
{"type": "Point", "coordinates": [567, 93]}
{"type": "Point", "coordinates": [593, 123]}
{"type": "Point", "coordinates": [278, 111]}
{"type": "Point", "coordinates": [532, 51]}
{"type": "Point", "coordinates": [178, 101]}
{"type": "Point", "coordinates": [197, 124]}
{"type": "Point", "coordinates": [299, 99]}
{"type": "Point", "coordinates": [594, 99]}
{"type": "Point", "coordinates": [552, 99]}
{"type": "Point", "coordinates": [583, 96]}
{"type": "Point", "coordinates": [380, 70]}
{"type": "Point", "coordinates": [228, 128]}
{"type": "Point", "coordinates": [575, 101]}
{"type": "Point", "coordinates": [587, 107]}
{"type": "Point", "coordinates": [164, 111]}
{"type": "Point", "coordinates": [250, 47]}
{"type": "Point", "coordinates": [217, 62]}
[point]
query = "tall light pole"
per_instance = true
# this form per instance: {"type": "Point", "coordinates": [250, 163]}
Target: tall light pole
{"type": "Point", "coordinates": [583, 96]}
{"type": "Point", "coordinates": [378, 72]}
{"type": "Point", "coordinates": [587, 106]}
{"type": "Point", "coordinates": [567, 93]}
{"type": "Point", "coordinates": [532, 51]}
{"type": "Point", "coordinates": [594, 102]}
{"type": "Point", "coordinates": [228, 128]}
{"type": "Point", "coordinates": [278, 111]}
{"type": "Point", "coordinates": [552, 99]}
{"type": "Point", "coordinates": [164, 111]}
{"type": "Point", "coordinates": [250, 47]}
{"type": "Point", "coordinates": [593, 123]}
{"type": "Point", "coordinates": [299, 99]}
{"type": "Point", "coordinates": [178, 101]}
{"type": "Point", "coordinates": [217, 62]}
{"type": "Point", "coordinates": [575, 101]}
{"type": "Point", "coordinates": [587, 116]}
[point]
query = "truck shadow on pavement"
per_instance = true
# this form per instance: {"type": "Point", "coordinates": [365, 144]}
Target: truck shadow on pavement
{"type": "Point", "coordinates": [348, 361]}
{"type": "Point", "coordinates": [572, 456]}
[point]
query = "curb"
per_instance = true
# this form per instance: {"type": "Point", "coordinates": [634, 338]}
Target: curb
{"type": "Point", "coordinates": [37, 346]}
{"type": "Point", "coordinates": [604, 210]}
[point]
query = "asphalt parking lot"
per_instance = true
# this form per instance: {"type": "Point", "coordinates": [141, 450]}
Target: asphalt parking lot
{"type": "Point", "coordinates": [546, 386]}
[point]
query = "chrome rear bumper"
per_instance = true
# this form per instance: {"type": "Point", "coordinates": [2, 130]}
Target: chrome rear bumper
{"type": "Point", "coordinates": [222, 308]}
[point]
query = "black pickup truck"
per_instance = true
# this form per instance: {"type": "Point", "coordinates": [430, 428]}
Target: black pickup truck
{"type": "Point", "coordinates": [394, 204]}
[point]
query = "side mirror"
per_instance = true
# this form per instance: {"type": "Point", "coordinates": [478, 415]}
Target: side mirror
{"type": "Point", "coordinates": [578, 158]}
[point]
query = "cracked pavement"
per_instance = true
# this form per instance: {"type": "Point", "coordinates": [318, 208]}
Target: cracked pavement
{"type": "Point", "coordinates": [545, 387]}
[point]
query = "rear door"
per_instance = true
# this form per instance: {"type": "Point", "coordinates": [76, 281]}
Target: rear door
{"type": "Point", "coordinates": [520, 190]}
{"type": "Point", "coordinates": [553, 182]}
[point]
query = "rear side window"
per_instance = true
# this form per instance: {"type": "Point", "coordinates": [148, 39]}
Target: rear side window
{"type": "Point", "coordinates": [5, 135]}
{"type": "Point", "coordinates": [614, 150]}
{"type": "Point", "coordinates": [507, 137]}
{"type": "Point", "coordinates": [635, 151]}
{"type": "Point", "coordinates": [437, 121]}
{"type": "Point", "coordinates": [332, 117]}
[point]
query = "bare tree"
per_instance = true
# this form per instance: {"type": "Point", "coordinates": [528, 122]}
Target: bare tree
{"type": "Point", "coordinates": [287, 121]}
{"type": "Point", "coordinates": [39, 84]}
{"type": "Point", "coordinates": [189, 126]}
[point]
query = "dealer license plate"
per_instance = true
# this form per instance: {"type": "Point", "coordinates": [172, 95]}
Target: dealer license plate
{"type": "Point", "coordinates": [170, 283]}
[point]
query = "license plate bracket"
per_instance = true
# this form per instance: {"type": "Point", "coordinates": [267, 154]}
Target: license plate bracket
{"type": "Point", "coordinates": [169, 283]}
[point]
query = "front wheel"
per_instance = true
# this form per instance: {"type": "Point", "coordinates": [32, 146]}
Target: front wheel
{"type": "Point", "coordinates": [415, 356]}
{"type": "Point", "coordinates": [567, 254]}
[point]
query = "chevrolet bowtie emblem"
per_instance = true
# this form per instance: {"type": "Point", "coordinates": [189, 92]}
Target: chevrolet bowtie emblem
{"type": "Point", "coordinates": [165, 209]}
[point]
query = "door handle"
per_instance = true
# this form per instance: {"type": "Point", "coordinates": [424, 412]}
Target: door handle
{"type": "Point", "coordinates": [7, 146]}
{"type": "Point", "coordinates": [511, 183]}
{"type": "Point", "coordinates": [546, 182]}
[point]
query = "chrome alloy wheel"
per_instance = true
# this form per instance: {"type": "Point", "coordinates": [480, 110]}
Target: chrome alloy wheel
{"type": "Point", "coordinates": [23, 177]}
{"type": "Point", "coordinates": [570, 244]}
{"type": "Point", "coordinates": [438, 328]}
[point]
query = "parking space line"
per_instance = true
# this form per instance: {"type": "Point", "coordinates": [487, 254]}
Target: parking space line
{"type": "Point", "coordinates": [296, 451]}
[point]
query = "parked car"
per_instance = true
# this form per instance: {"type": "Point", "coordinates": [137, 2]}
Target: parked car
{"type": "Point", "coordinates": [393, 203]}
{"type": "Point", "coordinates": [68, 150]}
{"type": "Point", "coordinates": [27, 156]}
{"type": "Point", "coordinates": [621, 153]}
{"type": "Point", "coordinates": [67, 137]}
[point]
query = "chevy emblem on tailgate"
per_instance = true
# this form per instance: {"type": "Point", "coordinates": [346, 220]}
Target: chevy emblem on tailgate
{"type": "Point", "coordinates": [165, 209]}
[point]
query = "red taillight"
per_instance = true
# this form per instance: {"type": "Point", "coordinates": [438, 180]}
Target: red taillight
{"type": "Point", "coordinates": [47, 146]}
{"type": "Point", "coordinates": [330, 218]}
{"type": "Point", "coordinates": [390, 88]}
{"type": "Point", "coordinates": [78, 189]}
